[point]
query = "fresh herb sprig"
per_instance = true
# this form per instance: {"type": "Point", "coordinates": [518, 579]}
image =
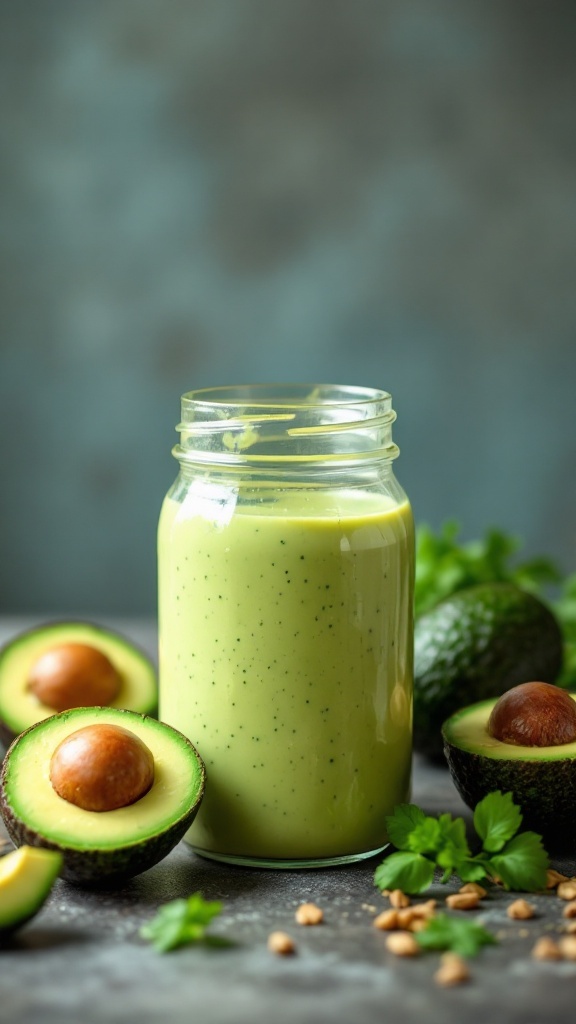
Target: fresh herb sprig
{"type": "Point", "coordinates": [425, 843]}
{"type": "Point", "coordinates": [444, 565]}
{"type": "Point", "coordinates": [458, 934]}
{"type": "Point", "coordinates": [180, 923]}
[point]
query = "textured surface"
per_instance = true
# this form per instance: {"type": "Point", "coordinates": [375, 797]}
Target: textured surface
{"type": "Point", "coordinates": [81, 959]}
{"type": "Point", "coordinates": [214, 191]}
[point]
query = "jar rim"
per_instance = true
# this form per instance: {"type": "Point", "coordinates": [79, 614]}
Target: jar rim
{"type": "Point", "coordinates": [291, 395]}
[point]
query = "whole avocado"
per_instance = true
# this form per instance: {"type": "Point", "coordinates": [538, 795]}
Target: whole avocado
{"type": "Point", "coordinates": [474, 645]}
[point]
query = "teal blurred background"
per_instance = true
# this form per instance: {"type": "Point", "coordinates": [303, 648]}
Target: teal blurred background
{"type": "Point", "coordinates": [223, 191]}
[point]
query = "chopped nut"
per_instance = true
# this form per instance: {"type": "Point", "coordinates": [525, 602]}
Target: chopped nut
{"type": "Point", "coordinates": [309, 913]}
{"type": "Point", "coordinates": [546, 949]}
{"type": "Point", "coordinates": [417, 924]}
{"type": "Point", "coordinates": [405, 917]}
{"type": "Point", "coordinates": [570, 909]}
{"type": "Point", "coordinates": [474, 887]}
{"type": "Point", "coordinates": [387, 921]}
{"type": "Point", "coordinates": [402, 944]}
{"type": "Point", "coordinates": [567, 890]}
{"type": "Point", "coordinates": [463, 901]}
{"type": "Point", "coordinates": [568, 947]}
{"type": "Point", "coordinates": [520, 910]}
{"type": "Point", "coordinates": [399, 899]}
{"type": "Point", "coordinates": [281, 943]}
{"type": "Point", "coordinates": [452, 971]}
{"type": "Point", "coordinates": [553, 878]}
{"type": "Point", "coordinates": [424, 910]}
{"type": "Point", "coordinates": [570, 929]}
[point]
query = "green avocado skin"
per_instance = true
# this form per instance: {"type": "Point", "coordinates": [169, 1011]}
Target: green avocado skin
{"type": "Point", "coordinates": [477, 644]}
{"type": "Point", "coordinates": [544, 790]}
{"type": "Point", "coordinates": [101, 867]}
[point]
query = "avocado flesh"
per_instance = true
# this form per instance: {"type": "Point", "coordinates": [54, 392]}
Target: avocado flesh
{"type": "Point", "coordinates": [542, 780]}
{"type": "Point", "coordinates": [104, 845]}
{"type": "Point", "coordinates": [475, 645]}
{"type": "Point", "coordinates": [26, 878]}
{"type": "Point", "coordinates": [19, 708]}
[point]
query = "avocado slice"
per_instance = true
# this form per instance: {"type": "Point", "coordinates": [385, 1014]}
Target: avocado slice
{"type": "Point", "coordinates": [475, 645]}
{"type": "Point", "coordinates": [20, 708]}
{"type": "Point", "coordinates": [100, 846]}
{"type": "Point", "coordinates": [26, 878]}
{"type": "Point", "coordinates": [542, 780]}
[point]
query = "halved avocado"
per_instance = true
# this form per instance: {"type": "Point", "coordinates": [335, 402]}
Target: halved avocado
{"type": "Point", "coordinates": [100, 846]}
{"type": "Point", "coordinates": [20, 708]}
{"type": "Point", "coordinates": [26, 878]}
{"type": "Point", "coordinates": [542, 780]}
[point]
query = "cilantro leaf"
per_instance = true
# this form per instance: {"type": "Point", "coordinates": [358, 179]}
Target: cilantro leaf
{"type": "Point", "coordinates": [402, 822]}
{"type": "Point", "coordinates": [180, 922]}
{"type": "Point", "coordinates": [425, 837]}
{"type": "Point", "coordinates": [496, 820]}
{"type": "Point", "coordinates": [410, 872]}
{"type": "Point", "coordinates": [455, 933]}
{"type": "Point", "coordinates": [522, 863]}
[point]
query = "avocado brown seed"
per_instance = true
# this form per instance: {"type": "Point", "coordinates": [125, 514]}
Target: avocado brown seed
{"type": "Point", "coordinates": [74, 676]}
{"type": "Point", "coordinates": [102, 768]}
{"type": "Point", "coordinates": [534, 715]}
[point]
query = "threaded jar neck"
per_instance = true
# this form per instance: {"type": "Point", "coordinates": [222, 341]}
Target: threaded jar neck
{"type": "Point", "coordinates": [259, 424]}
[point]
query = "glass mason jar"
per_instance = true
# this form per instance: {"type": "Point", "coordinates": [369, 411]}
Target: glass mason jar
{"type": "Point", "coordinates": [286, 561]}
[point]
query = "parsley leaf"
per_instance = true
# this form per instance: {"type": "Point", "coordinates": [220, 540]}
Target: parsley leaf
{"type": "Point", "coordinates": [455, 933]}
{"type": "Point", "coordinates": [410, 872]}
{"type": "Point", "coordinates": [522, 863]}
{"type": "Point", "coordinates": [496, 820]}
{"type": "Point", "coordinates": [180, 922]}
{"type": "Point", "coordinates": [402, 822]}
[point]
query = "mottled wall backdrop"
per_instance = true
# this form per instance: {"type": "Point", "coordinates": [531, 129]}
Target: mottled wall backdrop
{"type": "Point", "coordinates": [198, 192]}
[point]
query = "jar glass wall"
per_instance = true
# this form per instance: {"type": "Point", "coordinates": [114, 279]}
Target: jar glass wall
{"type": "Point", "coordinates": [286, 560]}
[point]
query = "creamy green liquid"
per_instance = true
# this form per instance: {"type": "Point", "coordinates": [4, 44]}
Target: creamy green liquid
{"type": "Point", "coordinates": [286, 657]}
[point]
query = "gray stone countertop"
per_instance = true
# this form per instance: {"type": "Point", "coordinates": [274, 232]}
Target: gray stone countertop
{"type": "Point", "coordinates": [81, 960]}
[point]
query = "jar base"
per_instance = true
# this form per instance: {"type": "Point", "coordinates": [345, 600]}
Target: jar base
{"type": "Point", "coordinates": [293, 864]}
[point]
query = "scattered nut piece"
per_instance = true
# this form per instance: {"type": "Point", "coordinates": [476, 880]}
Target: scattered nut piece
{"type": "Point", "coordinates": [570, 929]}
{"type": "Point", "coordinates": [553, 878]}
{"type": "Point", "coordinates": [474, 887]}
{"type": "Point", "coordinates": [463, 901]}
{"type": "Point", "coordinates": [281, 943]}
{"type": "Point", "coordinates": [405, 917]}
{"type": "Point", "coordinates": [568, 947]}
{"type": "Point", "coordinates": [424, 910]}
{"type": "Point", "coordinates": [567, 890]}
{"type": "Point", "coordinates": [417, 924]}
{"type": "Point", "coordinates": [399, 899]}
{"type": "Point", "coordinates": [387, 921]}
{"type": "Point", "coordinates": [452, 971]}
{"type": "Point", "coordinates": [520, 910]}
{"type": "Point", "coordinates": [546, 949]}
{"type": "Point", "coordinates": [570, 909]}
{"type": "Point", "coordinates": [309, 913]}
{"type": "Point", "coordinates": [402, 944]}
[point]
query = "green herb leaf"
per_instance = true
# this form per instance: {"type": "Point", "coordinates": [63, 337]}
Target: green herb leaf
{"type": "Point", "coordinates": [496, 820]}
{"type": "Point", "coordinates": [410, 872]}
{"type": "Point", "coordinates": [522, 863]}
{"type": "Point", "coordinates": [458, 934]}
{"type": "Point", "coordinates": [180, 922]}
{"type": "Point", "coordinates": [402, 822]}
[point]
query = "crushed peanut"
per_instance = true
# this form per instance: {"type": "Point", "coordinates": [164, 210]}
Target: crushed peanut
{"type": "Point", "coordinates": [570, 909]}
{"type": "Point", "coordinates": [399, 899]}
{"type": "Point", "coordinates": [387, 921]}
{"type": "Point", "coordinates": [553, 878]}
{"type": "Point", "coordinates": [546, 949]}
{"type": "Point", "coordinates": [452, 971]}
{"type": "Point", "coordinates": [309, 913]}
{"type": "Point", "coordinates": [463, 901]}
{"type": "Point", "coordinates": [402, 944]}
{"type": "Point", "coordinates": [474, 887]}
{"type": "Point", "coordinates": [424, 909]}
{"type": "Point", "coordinates": [568, 947]}
{"type": "Point", "coordinates": [405, 917]}
{"type": "Point", "coordinates": [570, 929]}
{"type": "Point", "coordinates": [281, 943]}
{"type": "Point", "coordinates": [520, 910]}
{"type": "Point", "coordinates": [567, 890]}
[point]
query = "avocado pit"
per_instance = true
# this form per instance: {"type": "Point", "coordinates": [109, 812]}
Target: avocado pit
{"type": "Point", "coordinates": [534, 715]}
{"type": "Point", "coordinates": [102, 767]}
{"type": "Point", "coordinates": [74, 675]}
